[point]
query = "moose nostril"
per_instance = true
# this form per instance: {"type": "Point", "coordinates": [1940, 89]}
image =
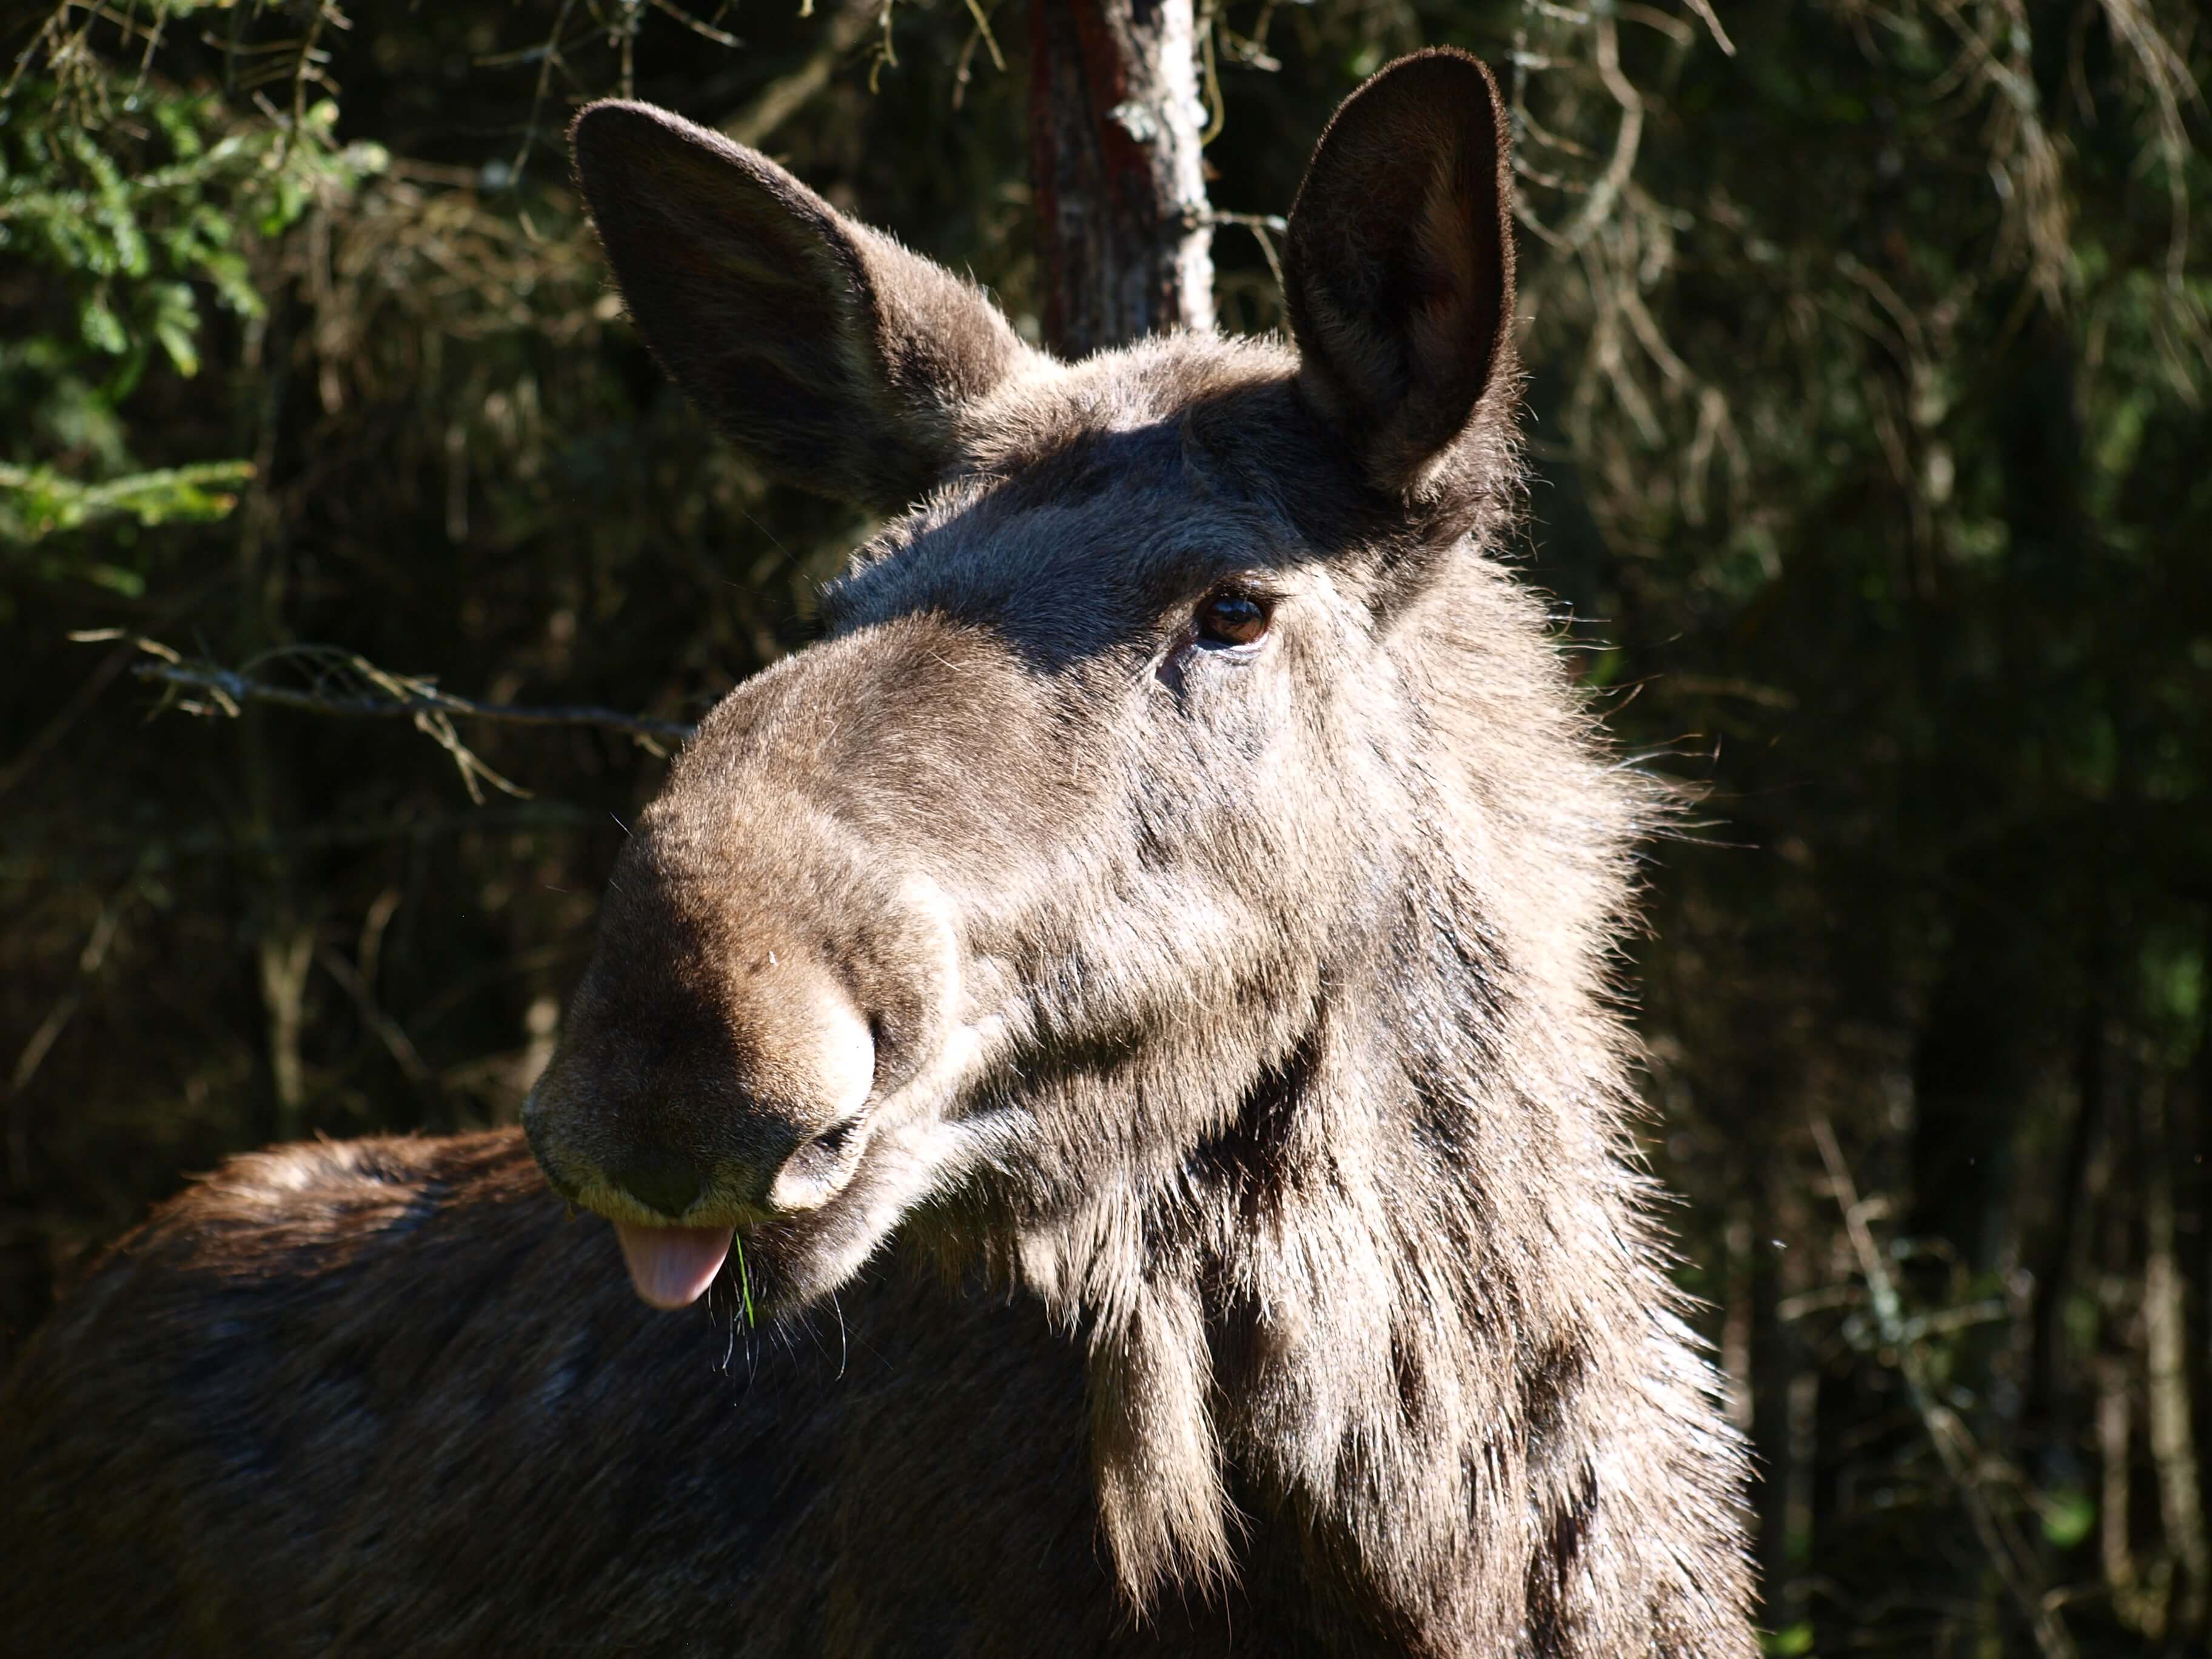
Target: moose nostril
{"type": "Point", "coordinates": [665, 1182]}
{"type": "Point", "coordinates": [818, 1170]}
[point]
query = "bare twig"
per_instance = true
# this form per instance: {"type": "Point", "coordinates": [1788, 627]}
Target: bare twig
{"type": "Point", "coordinates": [546, 66]}
{"type": "Point", "coordinates": [34, 753]}
{"type": "Point", "coordinates": [351, 687]}
{"type": "Point", "coordinates": [35, 1052]}
{"type": "Point", "coordinates": [1706, 15]}
{"type": "Point", "coordinates": [779, 101]}
{"type": "Point", "coordinates": [1628, 137]}
{"type": "Point", "coordinates": [2164, 75]}
{"type": "Point", "coordinates": [388, 1030]}
{"type": "Point", "coordinates": [51, 734]}
{"type": "Point", "coordinates": [246, 690]}
{"type": "Point", "coordinates": [704, 30]}
{"type": "Point", "coordinates": [306, 68]}
{"type": "Point", "coordinates": [1265, 227]}
{"type": "Point", "coordinates": [1955, 1447]}
{"type": "Point", "coordinates": [1218, 116]}
{"type": "Point", "coordinates": [990, 41]}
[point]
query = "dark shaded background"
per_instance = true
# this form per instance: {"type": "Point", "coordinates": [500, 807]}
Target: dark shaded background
{"type": "Point", "coordinates": [1869, 346]}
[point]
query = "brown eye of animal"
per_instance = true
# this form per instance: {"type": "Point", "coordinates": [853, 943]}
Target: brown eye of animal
{"type": "Point", "coordinates": [1231, 619]}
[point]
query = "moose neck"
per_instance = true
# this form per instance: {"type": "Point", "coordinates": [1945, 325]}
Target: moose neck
{"type": "Point", "coordinates": [1369, 1312]}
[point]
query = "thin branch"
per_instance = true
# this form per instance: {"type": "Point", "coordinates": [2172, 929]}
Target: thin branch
{"type": "Point", "coordinates": [367, 692]}
{"type": "Point", "coordinates": [33, 1056]}
{"type": "Point", "coordinates": [388, 1030]}
{"type": "Point", "coordinates": [1219, 111]}
{"type": "Point", "coordinates": [241, 688]}
{"type": "Point", "coordinates": [1652, 18]}
{"type": "Point", "coordinates": [545, 67]}
{"type": "Point", "coordinates": [27, 758]}
{"type": "Point", "coordinates": [1953, 1446]}
{"type": "Point", "coordinates": [305, 71]}
{"type": "Point", "coordinates": [1265, 227]}
{"type": "Point", "coordinates": [704, 30]}
{"type": "Point", "coordinates": [990, 40]}
{"type": "Point", "coordinates": [783, 99]}
{"type": "Point", "coordinates": [1706, 15]}
{"type": "Point", "coordinates": [1607, 188]}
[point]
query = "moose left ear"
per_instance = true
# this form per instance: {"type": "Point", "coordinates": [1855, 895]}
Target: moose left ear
{"type": "Point", "coordinates": [1398, 268]}
{"type": "Point", "coordinates": [838, 360]}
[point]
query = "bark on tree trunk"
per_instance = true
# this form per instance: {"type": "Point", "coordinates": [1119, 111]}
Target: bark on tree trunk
{"type": "Point", "coordinates": [2058, 1271]}
{"type": "Point", "coordinates": [2166, 1390]}
{"type": "Point", "coordinates": [1125, 248]}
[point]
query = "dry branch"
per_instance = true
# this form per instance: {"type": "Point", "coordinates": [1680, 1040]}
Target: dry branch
{"type": "Point", "coordinates": [781, 100]}
{"type": "Point", "coordinates": [351, 687]}
{"type": "Point", "coordinates": [2008, 1554]}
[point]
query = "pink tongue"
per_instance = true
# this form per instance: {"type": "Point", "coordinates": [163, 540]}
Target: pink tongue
{"type": "Point", "coordinates": [671, 1266]}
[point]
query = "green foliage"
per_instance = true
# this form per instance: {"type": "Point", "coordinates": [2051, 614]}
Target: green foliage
{"type": "Point", "coordinates": [134, 206]}
{"type": "Point", "coordinates": [2069, 1517]}
{"type": "Point", "coordinates": [43, 504]}
{"type": "Point", "coordinates": [37, 502]}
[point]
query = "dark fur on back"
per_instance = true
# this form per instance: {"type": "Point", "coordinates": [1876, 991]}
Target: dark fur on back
{"type": "Point", "coordinates": [1240, 1245]}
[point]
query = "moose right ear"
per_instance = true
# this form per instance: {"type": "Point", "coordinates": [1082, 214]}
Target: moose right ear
{"type": "Point", "coordinates": [1398, 267]}
{"type": "Point", "coordinates": [835, 358]}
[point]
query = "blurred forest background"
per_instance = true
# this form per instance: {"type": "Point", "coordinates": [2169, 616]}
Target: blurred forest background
{"type": "Point", "coordinates": [1869, 340]}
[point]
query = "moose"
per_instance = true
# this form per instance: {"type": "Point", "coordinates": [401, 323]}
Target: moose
{"type": "Point", "coordinates": [1122, 1035]}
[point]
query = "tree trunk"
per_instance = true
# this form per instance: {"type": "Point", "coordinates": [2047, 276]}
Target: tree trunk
{"type": "Point", "coordinates": [1125, 247]}
{"type": "Point", "coordinates": [2167, 1414]}
{"type": "Point", "coordinates": [2057, 1269]}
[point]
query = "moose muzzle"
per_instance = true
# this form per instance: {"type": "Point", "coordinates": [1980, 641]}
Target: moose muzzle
{"type": "Point", "coordinates": [709, 1076]}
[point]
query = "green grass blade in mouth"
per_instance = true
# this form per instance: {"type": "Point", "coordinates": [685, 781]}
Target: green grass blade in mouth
{"type": "Point", "coordinates": [745, 1284]}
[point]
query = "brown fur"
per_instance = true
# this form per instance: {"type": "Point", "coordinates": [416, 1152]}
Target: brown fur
{"type": "Point", "coordinates": [1241, 1246]}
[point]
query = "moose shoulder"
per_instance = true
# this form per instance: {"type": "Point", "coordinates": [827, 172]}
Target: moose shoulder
{"type": "Point", "coordinates": [1136, 993]}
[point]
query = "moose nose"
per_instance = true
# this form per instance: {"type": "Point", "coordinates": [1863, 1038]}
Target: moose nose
{"type": "Point", "coordinates": [823, 1147]}
{"type": "Point", "coordinates": [777, 1125]}
{"type": "Point", "coordinates": [664, 1181]}
{"type": "Point", "coordinates": [713, 1074]}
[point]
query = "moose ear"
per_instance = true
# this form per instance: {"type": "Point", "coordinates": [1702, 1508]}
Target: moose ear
{"type": "Point", "coordinates": [1398, 267]}
{"type": "Point", "coordinates": [835, 358]}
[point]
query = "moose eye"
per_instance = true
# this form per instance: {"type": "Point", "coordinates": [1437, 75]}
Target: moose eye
{"type": "Point", "coordinates": [1231, 619]}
